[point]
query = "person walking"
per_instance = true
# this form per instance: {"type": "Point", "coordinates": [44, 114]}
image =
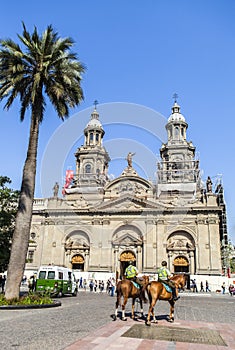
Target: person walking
{"type": "Point", "coordinates": [112, 287]}
{"type": "Point", "coordinates": [194, 286]}
{"type": "Point", "coordinates": [207, 287]}
{"type": "Point", "coordinates": [3, 283]}
{"type": "Point", "coordinates": [223, 288]}
{"type": "Point", "coordinates": [163, 275]}
{"type": "Point", "coordinates": [80, 283]}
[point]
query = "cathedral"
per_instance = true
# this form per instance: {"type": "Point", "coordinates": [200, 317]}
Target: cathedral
{"type": "Point", "coordinates": [101, 224]}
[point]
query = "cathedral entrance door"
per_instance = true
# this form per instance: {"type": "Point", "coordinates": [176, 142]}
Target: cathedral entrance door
{"type": "Point", "coordinates": [125, 258]}
{"type": "Point", "coordinates": [181, 265]}
{"type": "Point", "coordinates": [78, 262]}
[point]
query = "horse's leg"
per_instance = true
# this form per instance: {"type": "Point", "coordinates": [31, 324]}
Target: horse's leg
{"type": "Point", "coordinates": [117, 304]}
{"type": "Point", "coordinates": [172, 309]}
{"type": "Point", "coordinates": [133, 309]}
{"type": "Point", "coordinates": [124, 307]}
{"type": "Point", "coordinates": [153, 314]}
{"type": "Point", "coordinates": [152, 303]}
{"type": "Point", "coordinates": [141, 308]}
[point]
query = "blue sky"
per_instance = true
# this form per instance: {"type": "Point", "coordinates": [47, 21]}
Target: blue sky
{"type": "Point", "coordinates": [138, 52]}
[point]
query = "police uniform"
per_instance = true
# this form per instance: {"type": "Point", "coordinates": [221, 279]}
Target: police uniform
{"type": "Point", "coordinates": [163, 275]}
{"type": "Point", "coordinates": [131, 272]}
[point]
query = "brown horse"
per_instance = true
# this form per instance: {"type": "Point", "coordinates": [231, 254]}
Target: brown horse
{"type": "Point", "coordinates": [127, 289]}
{"type": "Point", "coordinates": [156, 291]}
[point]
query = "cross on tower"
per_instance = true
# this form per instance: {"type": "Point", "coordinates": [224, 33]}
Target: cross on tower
{"type": "Point", "coordinates": [95, 103]}
{"type": "Point", "coordinates": [175, 96]}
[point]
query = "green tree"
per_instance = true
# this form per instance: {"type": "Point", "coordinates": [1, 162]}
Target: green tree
{"type": "Point", "coordinates": [8, 208]}
{"type": "Point", "coordinates": [45, 69]}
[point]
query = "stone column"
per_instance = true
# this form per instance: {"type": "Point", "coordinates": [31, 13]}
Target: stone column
{"type": "Point", "coordinates": [86, 260]}
{"type": "Point", "coordinates": [139, 262]}
{"type": "Point", "coordinates": [170, 261]}
{"type": "Point", "coordinates": [191, 263]}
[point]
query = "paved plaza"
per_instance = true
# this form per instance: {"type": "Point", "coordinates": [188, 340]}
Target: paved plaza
{"type": "Point", "coordinates": [85, 322]}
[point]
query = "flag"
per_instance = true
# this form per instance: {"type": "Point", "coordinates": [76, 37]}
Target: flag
{"type": "Point", "coordinates": [68, 179]}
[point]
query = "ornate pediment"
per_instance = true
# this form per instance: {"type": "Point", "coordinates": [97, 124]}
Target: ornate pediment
{"type": "Point", "coordinates": [127, 239]}
{"type": "Point", "coordinates": [128, 202]}
{"type": "Point", "coordinates": [131, 184]}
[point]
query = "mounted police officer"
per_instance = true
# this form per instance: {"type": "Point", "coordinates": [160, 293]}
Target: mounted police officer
{"type": "Point", "coordinates": [131, 273]}
{"type": "Point", "coordinates": [163, 276]}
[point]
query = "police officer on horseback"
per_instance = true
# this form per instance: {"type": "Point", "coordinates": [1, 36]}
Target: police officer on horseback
{"type": "Point", "coordinates": [163, 276]}
{"type": "Point", "coordinates": [131, 273]}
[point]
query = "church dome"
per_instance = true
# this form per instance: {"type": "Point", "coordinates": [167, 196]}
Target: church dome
{"type": "Point", "coordinates": [176, 115]}
{"type": "Point", "coordinates": [94, 121]}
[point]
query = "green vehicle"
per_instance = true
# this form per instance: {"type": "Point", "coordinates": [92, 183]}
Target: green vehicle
{"type": "Point", "coordinates": [56, 280]}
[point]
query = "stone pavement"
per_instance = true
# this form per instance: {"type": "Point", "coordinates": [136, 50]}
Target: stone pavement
{"type": "Point", "coordinates": [218, 333]}
{"type": "Point", "coordinates": [85, 322]}
{"type": "Point", "coordinates": [111, 336]}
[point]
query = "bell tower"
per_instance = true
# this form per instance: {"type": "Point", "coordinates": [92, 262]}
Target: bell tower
{"type": "Point", "coordinates": [92, 158]}
{"type": "Point", "coordinates": [178, 170]}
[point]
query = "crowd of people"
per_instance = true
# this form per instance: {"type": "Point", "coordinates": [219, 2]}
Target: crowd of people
{"type": "Point", "coordinates": [193, 286]}
{"type": "Point", "coordinates": [131, 272]}
{"type": "Point", "coordinates": [96, 286]}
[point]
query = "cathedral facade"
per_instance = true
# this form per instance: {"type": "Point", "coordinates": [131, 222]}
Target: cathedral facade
{"type": "Point", "coordinates": [100, 224]}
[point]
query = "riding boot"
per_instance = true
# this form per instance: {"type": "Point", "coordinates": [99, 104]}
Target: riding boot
{"type": "Point", "coordinates": [174, 294]}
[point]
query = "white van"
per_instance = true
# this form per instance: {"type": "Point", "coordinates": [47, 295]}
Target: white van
{"type": "Point", "coordinates": [56, 280]}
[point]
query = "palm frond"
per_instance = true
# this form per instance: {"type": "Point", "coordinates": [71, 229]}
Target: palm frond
{"type": "Point", "coordinates": [47, 64]}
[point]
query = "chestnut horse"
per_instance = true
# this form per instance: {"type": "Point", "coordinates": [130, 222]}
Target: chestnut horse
{"type": "Point", "coordinates": [127, 289]}
{"type": "Point", "coordinates": [156, 291]}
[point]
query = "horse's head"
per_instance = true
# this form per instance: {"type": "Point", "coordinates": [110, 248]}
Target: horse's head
{"type": "Point", "coordinates": [180, 280]}
{"type": "Point", "coordinates": [146, 279]}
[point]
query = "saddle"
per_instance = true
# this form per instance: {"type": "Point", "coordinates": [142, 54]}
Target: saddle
{"type": "Point", "coordinates": [168, 285]}
{"type": "Point", "coordinates": [168, 288]}
{"type": "Point", "coordinates": [136, 284]}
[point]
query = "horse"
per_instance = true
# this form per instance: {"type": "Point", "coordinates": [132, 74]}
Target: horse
{"type": "Point", "coordinates": [157, 291]}
{"type": "Point", "coordinates": [127, 289]}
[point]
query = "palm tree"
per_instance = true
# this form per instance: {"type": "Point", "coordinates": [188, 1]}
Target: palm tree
{"type": "Point", "coordinates": [45, 69]}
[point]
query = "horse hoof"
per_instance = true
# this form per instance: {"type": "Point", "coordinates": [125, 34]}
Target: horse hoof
{"type": "Point", "coordinates": [124, 319]}
{"type": "Point", "coordinates": [114, 318]}
{"type": "Point", "coordinates": [148, 323]}
{"type": "Point", "coordinates": [171, 320]}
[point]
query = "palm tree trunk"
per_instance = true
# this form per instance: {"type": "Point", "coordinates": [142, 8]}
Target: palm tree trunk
{"type": "Point", "coordinates": [21, 233]}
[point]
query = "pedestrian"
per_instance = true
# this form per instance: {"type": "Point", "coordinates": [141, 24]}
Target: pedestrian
{"type": "Point", "coordinates": [194, 285]}
{"type": "Point", "coordinates": [108, 286]}
{"type": "Point", "coordinates": [231, 290]}
{"type": "Point", "coordinates": [95, 286]}
{"type": "Point", "coordinates": [84, 284]}
{"type": "Point", "coordinates": [91, 285]}
{"type": "Point", "coordinates": [112, 287]}
{"type": "Point", "coordinates": [3, 283]}
{"type": "Point", "coordinates": [32, 284]}
{"type": "Point", "coordinates": [223, 288]}
{"type": "Point", "coordinates": [80, 283]}
{"type": "Point", "coordinates": [207, 287]}
{"type": "Point", "coordinates": [202, 287]}
{"type": "Point", "coordinates": [102, 286]}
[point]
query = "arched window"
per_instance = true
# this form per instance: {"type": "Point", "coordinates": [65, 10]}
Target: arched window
{"type": "Point", "coordinates": [177, 133]}
{"type": "Point", "coordinates": [88, 169]}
